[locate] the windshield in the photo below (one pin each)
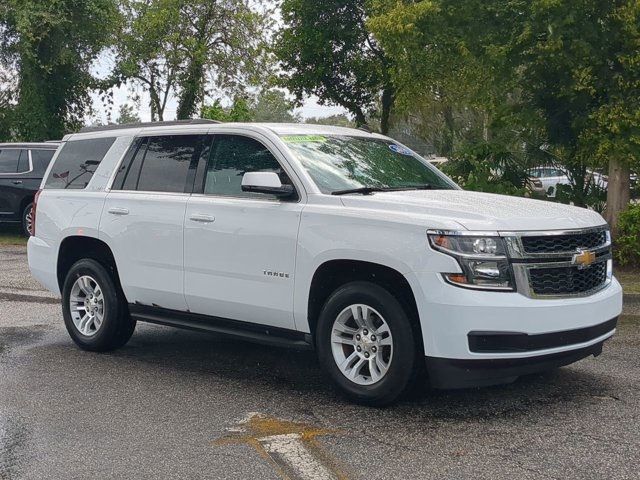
(340, 162)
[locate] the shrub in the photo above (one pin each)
(627, 245)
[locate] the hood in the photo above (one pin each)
(478, 211)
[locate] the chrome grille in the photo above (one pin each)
(564, 243)
(567, 280)
(547, 264)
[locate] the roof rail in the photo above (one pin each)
(193, 121)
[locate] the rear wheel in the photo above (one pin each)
(366, 344)
(94, 310)
(27, 220)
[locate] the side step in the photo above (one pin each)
(252, 332)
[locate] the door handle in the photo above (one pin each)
(118, 211)
(199, 217)
(17, 182)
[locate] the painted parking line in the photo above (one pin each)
(291, 448)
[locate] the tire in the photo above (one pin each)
(398, 349)
(27, 220)
(112, 326)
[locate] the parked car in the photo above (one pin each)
(547, 179)
(318, 237)
(22, 166)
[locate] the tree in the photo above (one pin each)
(177, 46)
(564, 73)
(267, 106)
(339, 120)
(325, 49)
(127, 114)
(274, 106)
(51, 46)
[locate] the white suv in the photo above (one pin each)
(319, 237)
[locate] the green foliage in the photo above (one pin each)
(50, 46)
(127, 114)
(239, 111)
(561, 77)
(339, 120)
(175, 46)
(267, 106)
(489, 168)
(326, 49)
(627, 245)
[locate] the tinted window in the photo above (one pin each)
(166, 163)
(233, 156)
(127, 175)
(9, 160)
(41, 159)
(77, 162)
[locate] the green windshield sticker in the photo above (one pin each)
(304, 138)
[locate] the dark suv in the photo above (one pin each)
(22, 166)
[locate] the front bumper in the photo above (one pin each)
(448, 314)
(448, 373)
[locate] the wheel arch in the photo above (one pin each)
(331, 274)
(76, 247)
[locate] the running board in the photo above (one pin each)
(252, 332)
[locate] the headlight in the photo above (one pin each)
(482, 258)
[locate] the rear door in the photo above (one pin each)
(143, 218)
(14, 163)
(240, 247)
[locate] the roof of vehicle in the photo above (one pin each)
(277, 128)
(44, 145)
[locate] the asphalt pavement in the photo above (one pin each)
(181, 405)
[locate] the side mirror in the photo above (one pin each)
(266, 182)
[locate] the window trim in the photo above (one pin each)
(200, 176)
(21, 149)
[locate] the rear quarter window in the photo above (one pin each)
(77, 162)
(41, 160)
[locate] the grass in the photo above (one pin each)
(11, 235)
(630, 280)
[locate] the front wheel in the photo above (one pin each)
(94, 310)
(366, 344)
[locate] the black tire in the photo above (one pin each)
(117, 325)
(27, 216)
(403, 364)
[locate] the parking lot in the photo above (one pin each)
(176, 404)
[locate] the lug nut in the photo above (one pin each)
(365, 331)
(373, 338)
(359, 348)
(358, 337)
(366, 354)
(374, 349)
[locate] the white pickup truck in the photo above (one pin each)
(319, 237)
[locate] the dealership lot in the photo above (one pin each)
(176, 404)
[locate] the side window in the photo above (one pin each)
(233, 156)
(166, 163)
(77, 162)
(9, 160)
(127, 174)
(41, 159)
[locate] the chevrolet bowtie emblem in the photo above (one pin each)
(583, 258)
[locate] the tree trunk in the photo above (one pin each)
(387, 104)
(618, 192)
(191, 89)
(360, 117)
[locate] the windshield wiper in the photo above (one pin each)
(370, 190)
(364, 190)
